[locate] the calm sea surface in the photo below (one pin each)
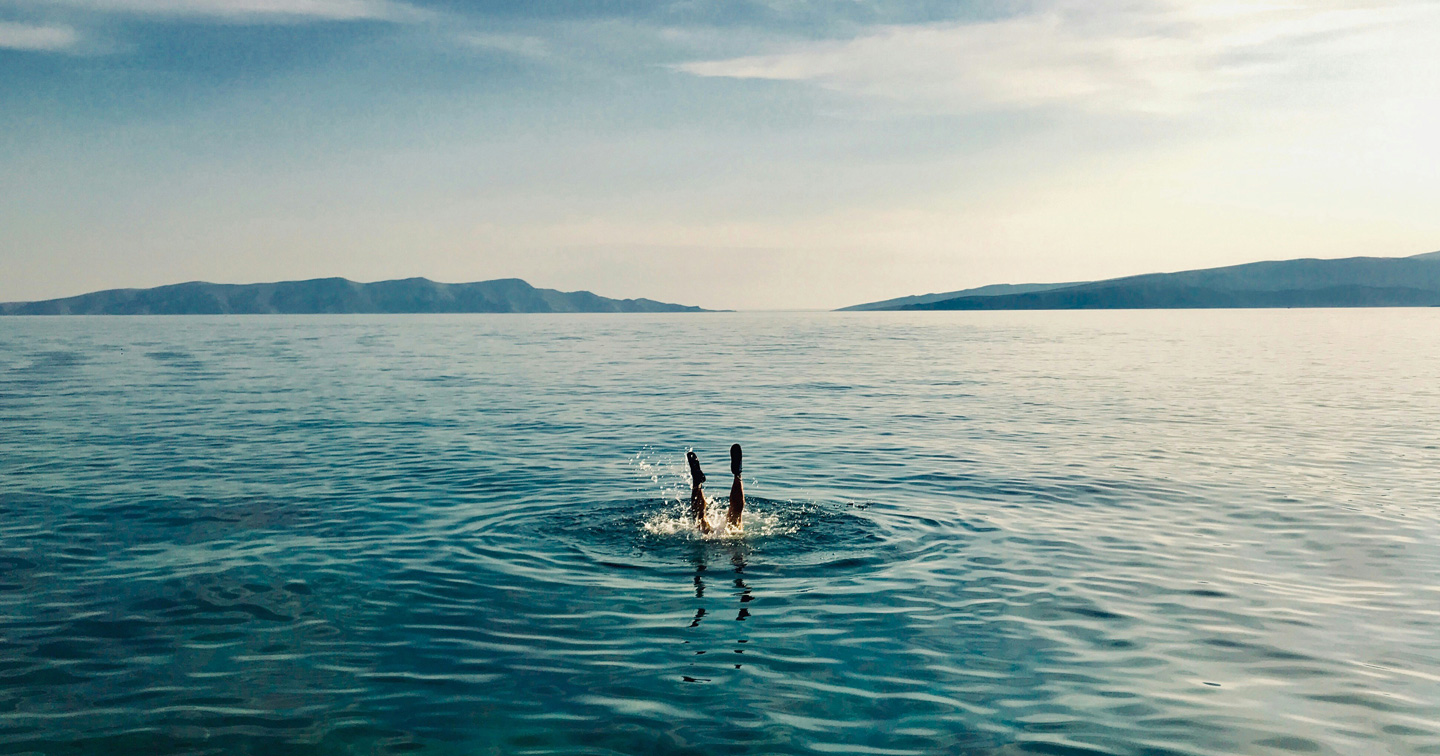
(988, 533)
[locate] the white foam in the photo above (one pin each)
(753, 523)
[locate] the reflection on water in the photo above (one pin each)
(979, 533)
(741, 596)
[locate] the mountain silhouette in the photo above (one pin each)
(1350, 282)
(336, 295)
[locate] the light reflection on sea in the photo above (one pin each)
(1060, 533)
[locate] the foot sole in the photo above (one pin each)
(696, 477)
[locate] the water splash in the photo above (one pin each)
(665, 475)
(754, 523)
(661, 473)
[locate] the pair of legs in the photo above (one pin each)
(697, 494)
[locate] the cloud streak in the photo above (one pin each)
(254, 10)
(37, 38)
(512, 44)
(1153, 56)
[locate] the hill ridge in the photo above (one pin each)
(1304, 282)
(336, 295)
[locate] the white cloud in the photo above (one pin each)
(38, 38)
(252, 10)
(1159, 56)
(513, 44)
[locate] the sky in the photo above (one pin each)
(737, 154)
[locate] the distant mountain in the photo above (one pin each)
(980, 291)
(1352, 282)
(336, 295)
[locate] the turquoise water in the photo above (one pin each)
(989, 533)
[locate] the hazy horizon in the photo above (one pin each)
(603, 294)
(745, 156)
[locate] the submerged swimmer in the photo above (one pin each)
(697, 495)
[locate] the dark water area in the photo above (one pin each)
(968, 533)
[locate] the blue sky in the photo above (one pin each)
(783, 154)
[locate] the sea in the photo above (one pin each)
(1000, 533)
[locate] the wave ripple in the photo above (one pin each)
(1003, 533)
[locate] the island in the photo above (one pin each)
(336, 295)
(1348, 282)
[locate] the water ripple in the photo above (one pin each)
(1004, 533)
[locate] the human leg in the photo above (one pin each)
(737, 491)
(697, 508)
(697, 494)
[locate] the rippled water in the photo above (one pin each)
(1054, 533)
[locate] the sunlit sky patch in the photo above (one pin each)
(782, 154)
